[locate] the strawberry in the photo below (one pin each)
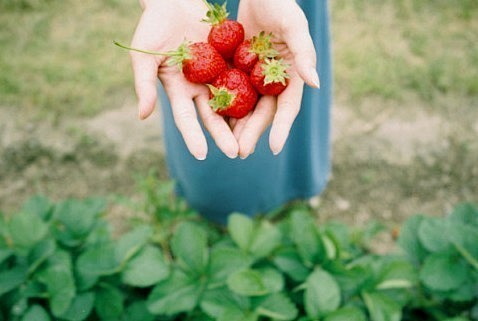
(199, 61)
(252, 50)
(269, 76)
(232, 94)
(225, 35)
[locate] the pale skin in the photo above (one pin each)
(160, 29)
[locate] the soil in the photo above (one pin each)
(388, 162)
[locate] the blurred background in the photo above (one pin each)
(405, 116)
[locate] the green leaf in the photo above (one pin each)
(465, 239)
(465, 213)
(5, 254)
(174, 295)
(11, 279)
(226, 261)
(346, 314)
(80, 307)
(138, 311)
(76, 218)
(352, 279)
(255, 282)
(433, 235)
(288, 261)
(40, 253)
(266, 239)
(132, 242)
(60, 286)
(443, 272)
(381, 307)
(305, 235)
(98, 261)
(397, 275)
(147, 268)
(322, 294)
(189, 245)
(272, 279)
(215, 301)
(409, 241)
(248, 283)
(36, 313)
(38, 205)
(238, 315)
(26, 229)
(278, 307)
(109, 302)
(241, 229)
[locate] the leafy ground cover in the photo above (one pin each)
(60, 261)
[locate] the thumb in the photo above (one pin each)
(297, 37)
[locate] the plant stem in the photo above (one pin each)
(169, 54)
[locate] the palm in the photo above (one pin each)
(163, 27)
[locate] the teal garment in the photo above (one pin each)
(219, 186)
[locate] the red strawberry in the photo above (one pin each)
(253, 50)
(232, 94)
(199, 61)
(269, 76)
(225, 35)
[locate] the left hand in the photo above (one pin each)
(292, 39)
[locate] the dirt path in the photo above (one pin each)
(387, 164)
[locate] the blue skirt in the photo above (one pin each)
(219, 186)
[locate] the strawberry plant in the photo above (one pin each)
(61, 261)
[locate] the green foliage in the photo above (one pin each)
(61, 262)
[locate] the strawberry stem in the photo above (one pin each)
(216, 14)
(262, 46)
(222, 98)
(176, 56)
(140, 50)
(275, 71)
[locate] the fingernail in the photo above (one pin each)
(276, 150)
(314, 77)
(231, 155)
(245, 155)
(200, 156)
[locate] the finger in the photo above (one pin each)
(288, 107)
(239, 125)
(145, 70)
(259, 120)
(187, 123)
(217, 127)
(297, 37)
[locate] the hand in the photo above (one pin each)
(163, 26)
(292, 39)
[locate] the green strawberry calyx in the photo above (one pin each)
(222, 98)
(216, 14)
(175, 57)
(261, 45)
(275, 70)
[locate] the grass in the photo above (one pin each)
(57, 57)
(393, 48)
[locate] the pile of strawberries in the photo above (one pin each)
(237, 71)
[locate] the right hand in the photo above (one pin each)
(163, 26)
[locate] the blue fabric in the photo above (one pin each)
(219, 186)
